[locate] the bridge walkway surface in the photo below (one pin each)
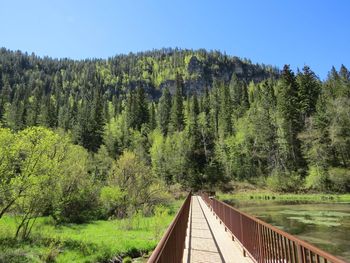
(206, 239)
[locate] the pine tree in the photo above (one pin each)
(289, 121)
(308, 92)
(152, 116)
(199, 143)
(130, 109)
(192, 119)
(215, 109)
(140, 108)
(14, 113)
(4, 97)
(64, 117)
(344, 84)
(205, 102)
(177, 115)
(90, 125)
(98, 120)
(239, 95)
(164, 109)
(225, 113)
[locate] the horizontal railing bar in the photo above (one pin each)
(275, 241)
(163, 244)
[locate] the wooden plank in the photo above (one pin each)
(207, 240)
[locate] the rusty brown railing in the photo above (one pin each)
(264, 242)
(171, 247)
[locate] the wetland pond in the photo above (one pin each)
(325, 225)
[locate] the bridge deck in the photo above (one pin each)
(206, 240)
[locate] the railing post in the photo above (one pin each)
(241, 223)
(300, 255)
(261, 257)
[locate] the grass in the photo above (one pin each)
(92, 242)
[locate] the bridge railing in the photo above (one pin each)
(264, 242)
(171, 247)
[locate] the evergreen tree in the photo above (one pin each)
(130, 109)
(205, 102)
(164, 109)
(90, 125)
(4, 97)
(152, 116)
(140, 108)
(308, 92)
(215, 109)
(192, 116)
(239, 96)
(344, 84)
(288, 121)
(225, 112)
(177, 115)
(14, 116)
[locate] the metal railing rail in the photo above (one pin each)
(264, 242)
(170, 248)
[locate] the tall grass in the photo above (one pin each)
(92, 242)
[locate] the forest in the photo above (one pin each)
(110, 138)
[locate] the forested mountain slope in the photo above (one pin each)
(153, 70)
(197, 118)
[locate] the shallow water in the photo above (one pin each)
(326, 226)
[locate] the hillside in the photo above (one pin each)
(153, 70)
(197, 118)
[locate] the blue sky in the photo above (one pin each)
(276, 32)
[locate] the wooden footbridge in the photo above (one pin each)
(208, 230)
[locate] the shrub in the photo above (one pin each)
(127, 259)
(340, 179)
(317, 179)
(111, 198)
(284, 181)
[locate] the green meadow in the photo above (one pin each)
(96, 241)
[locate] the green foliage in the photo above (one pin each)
(181, 115)
(121, 132)
(308, 92)
(225, 111)
(32, 162)
(76, 193)
(115, 135)
(97, 241)
(112, 198)
(100, 164)
(340, 179)
(138, 189)
(127, 259)
(288, 121)
(160, 215)
(284, 182)
(177, 110)
(317, 179)
(164, 108)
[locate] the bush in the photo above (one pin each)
(284, 181)
(339, 179)
(127, 259)
(76, 193)
(111, 198)
(317, 179)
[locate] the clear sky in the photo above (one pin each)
(276, 32)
